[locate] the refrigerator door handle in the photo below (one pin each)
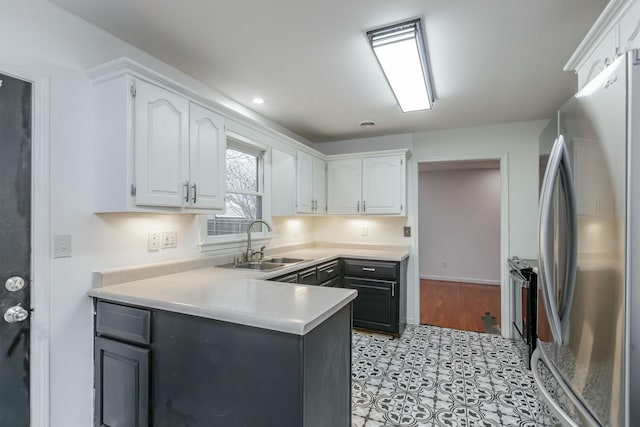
(554, 407)
(546, 237)
(572, 239)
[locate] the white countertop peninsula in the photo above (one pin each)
(239, 296)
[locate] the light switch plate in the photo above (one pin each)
(407, 231)
(62, 246)
(169, 239)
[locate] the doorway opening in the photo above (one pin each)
(459, 204)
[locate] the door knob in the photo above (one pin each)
(14, 284)
(15, 314)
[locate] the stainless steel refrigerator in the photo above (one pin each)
(589, 253)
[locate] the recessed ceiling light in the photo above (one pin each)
(258, 101)
(367, 124)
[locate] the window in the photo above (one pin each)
(244, 198)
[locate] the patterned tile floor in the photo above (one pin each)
(434, 376)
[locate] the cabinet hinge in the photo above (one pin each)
(133, 90)
(133, 190)
(401, 162)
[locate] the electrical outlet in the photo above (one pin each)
(365, 231)
(169, 239)
(444, 264)
(407, 231)
(62, 246)
(153, 243)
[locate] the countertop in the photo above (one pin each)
(243, 296)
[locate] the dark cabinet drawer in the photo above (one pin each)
(371, 269)
(328, 271)
(122, 322)
(308, 277)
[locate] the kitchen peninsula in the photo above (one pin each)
(215, 346)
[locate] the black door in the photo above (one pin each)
(15, 249)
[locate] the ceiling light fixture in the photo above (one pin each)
(402, 54)
(258, 101)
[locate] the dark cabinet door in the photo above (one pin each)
(122, 384)
(376, 306)
(308, 277)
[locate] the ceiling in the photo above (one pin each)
(493, 60)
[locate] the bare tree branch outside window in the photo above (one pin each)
(244, 197)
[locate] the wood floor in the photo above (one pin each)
(458, 305)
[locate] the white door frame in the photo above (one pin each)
(40, 214)
(505, 290)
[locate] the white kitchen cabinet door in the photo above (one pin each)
(383, 185)
(161, 140)
(344, 186)
(319, 186)
(207, 168)
(283, 180)
(304, 188)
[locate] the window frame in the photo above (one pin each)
(232, 242)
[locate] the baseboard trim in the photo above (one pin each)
(460, 279)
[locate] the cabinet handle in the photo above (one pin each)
(314, 204)
(368, 269)
(329, 271)
(393, 289)
(358, 206)
(364, 206)
(186, 187)
(195, 191)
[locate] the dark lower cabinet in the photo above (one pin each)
(203, 372)
(122, 384)
(381, 304)
(375, 307)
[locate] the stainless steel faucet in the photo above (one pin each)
(250, 252)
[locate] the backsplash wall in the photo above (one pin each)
(378, 230)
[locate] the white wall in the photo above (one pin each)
(380, 230)
(41, 40)
(519, 140)
(459, 222)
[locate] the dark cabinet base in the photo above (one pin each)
(204, 372)
(211, 373)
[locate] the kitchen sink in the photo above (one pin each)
(254, 265)
(286, 260)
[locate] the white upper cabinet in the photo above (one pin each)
(283, 183)
(304, 188)
(156, 150)
(344, 186)
(319, 199)
(207, 145)
(311, 184)
(161, 140)
(383, 185)
(616, 31)
(370, 185)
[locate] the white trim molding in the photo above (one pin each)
(505, 289)
(40, 269)
(607, 19)
(460, 279)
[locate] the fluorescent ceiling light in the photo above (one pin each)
(401, 52)
(258, 101)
